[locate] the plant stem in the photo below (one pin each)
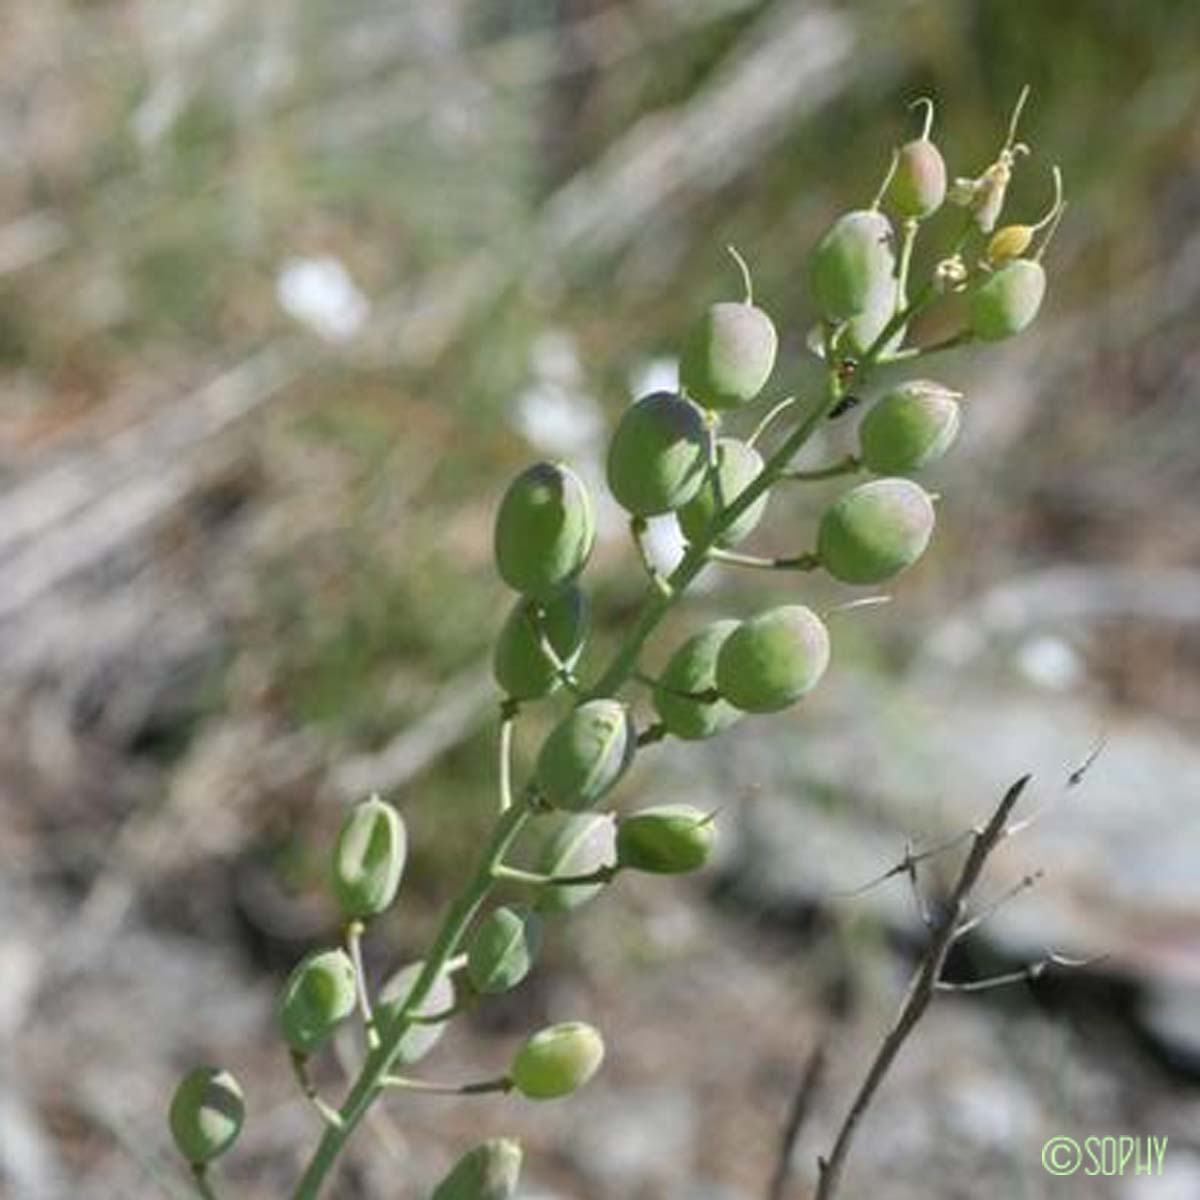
(844, 466)
(354, 932)
(203, 1184)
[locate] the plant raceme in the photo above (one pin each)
(670, 453)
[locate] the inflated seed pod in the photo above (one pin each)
(577, 844)
(658, 455)
(521, 668)
(1008, 300)
(489, 1171)
(670, 839)
(918, 185)
(503, 949)
(586, 754)
(557, 1060)
(769, 661)
(317, 997)
(908, 428)
(693, 669)
(728, 356)
(544, 530)
(875, 530)
(418, 1039)
(368, 859)
(852, 263)
(206, 1113)
(861, 331)
(738, 465)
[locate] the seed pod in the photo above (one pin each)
(1010, 242)
(658, 455)
(768, 662)
(418, 1039)
(503, 949)
(557, 1060)
(738, 465)
(875, 530)
(918, 186)
(670, 839)
(586, 754)
(912, 426)
(576, 845)
(521, 668)
(544, 530)
(693, 668)
(206, 1114)
(1007, 301)
(368, 859)
(490, 1171)
(318, 996)
(861, 331)
(852, 264)
(728, 356)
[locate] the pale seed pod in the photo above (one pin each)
(557, 1061)
(670, 839)
(738, 465)
(419, 1039)
(519, 664)
(693, 669)
(658, 454)
(368, 859)
(317, 997)
(852, 263)
(728, 356)
(910, 427)
(918, 185)
(503, 949)
(875, 531)
(489, 1171)
(586, 754)
(1008, 300)
(206, 1114)
(770, 661)
(577, 844)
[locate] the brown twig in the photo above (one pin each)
(806, 1090)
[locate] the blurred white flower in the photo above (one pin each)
(319, 293)
(1051, 663)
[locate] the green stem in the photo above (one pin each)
(503, 1084)
(354, 932)
(846, 466)
(535, 879)
(203, 1184)
(797, 562)
(637, 530)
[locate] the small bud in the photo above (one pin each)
(368, 859)
(728, 356)
(875, 530)
(658, 455)
(544, 530)
(586, 754)
(1010, 242)
(519, 664)
(692, 669)
(577, 845)
(419, 1039)
(738, 465)
(768, 662)
(317, 997)
(557, 1061)
(490, 1171)
(912, 426)
(670, 839)
(1007, 301)
(853, 264)
(503, 950)
(206, 1114)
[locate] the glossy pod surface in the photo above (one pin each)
(586, 754)
(658, 455)
(520, 666)
(770, 661)
(670, 839)
(910, 427)
(206, 1113)
(852, 264)
(728, 356)
(1008, 301)
(503, 949)
(317, 997)
(557, 1061)
(368, 859)
(693, 669)
(875, 530)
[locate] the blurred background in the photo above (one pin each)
(288, 292)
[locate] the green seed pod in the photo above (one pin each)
(861, 331)
(206, 1114)
(910, 427)
(318, 996)
(368, 859)
(576, 845)
(1008, 300)
(738, 465)
(586, 754)
(728, 356)
(557, 1061)
(490, 1171)
(768, 662)
(918, 186)
(670, 839)
(658, 455)
(544, 530)
(521, 668)
(418, 1040)
(503, 950)
(875, 530)
(693, 668)
(852, 264)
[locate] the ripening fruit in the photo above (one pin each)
(693, 668)
(670, 839)
(368, 859)
(861, 331)
(557, 1061)
(918, 186)
(769, 661)
(544, 530)
(206, 1113)
(1008, 300)
(578, 845)
(318, 996)
(586, 754)
(875, 530)
(852, 263)
(489, 1171)
(521, 668)
(738, 465)
(418, 1039)
(658, 455)
(910, 427)
(503, 949)
(728, 356)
